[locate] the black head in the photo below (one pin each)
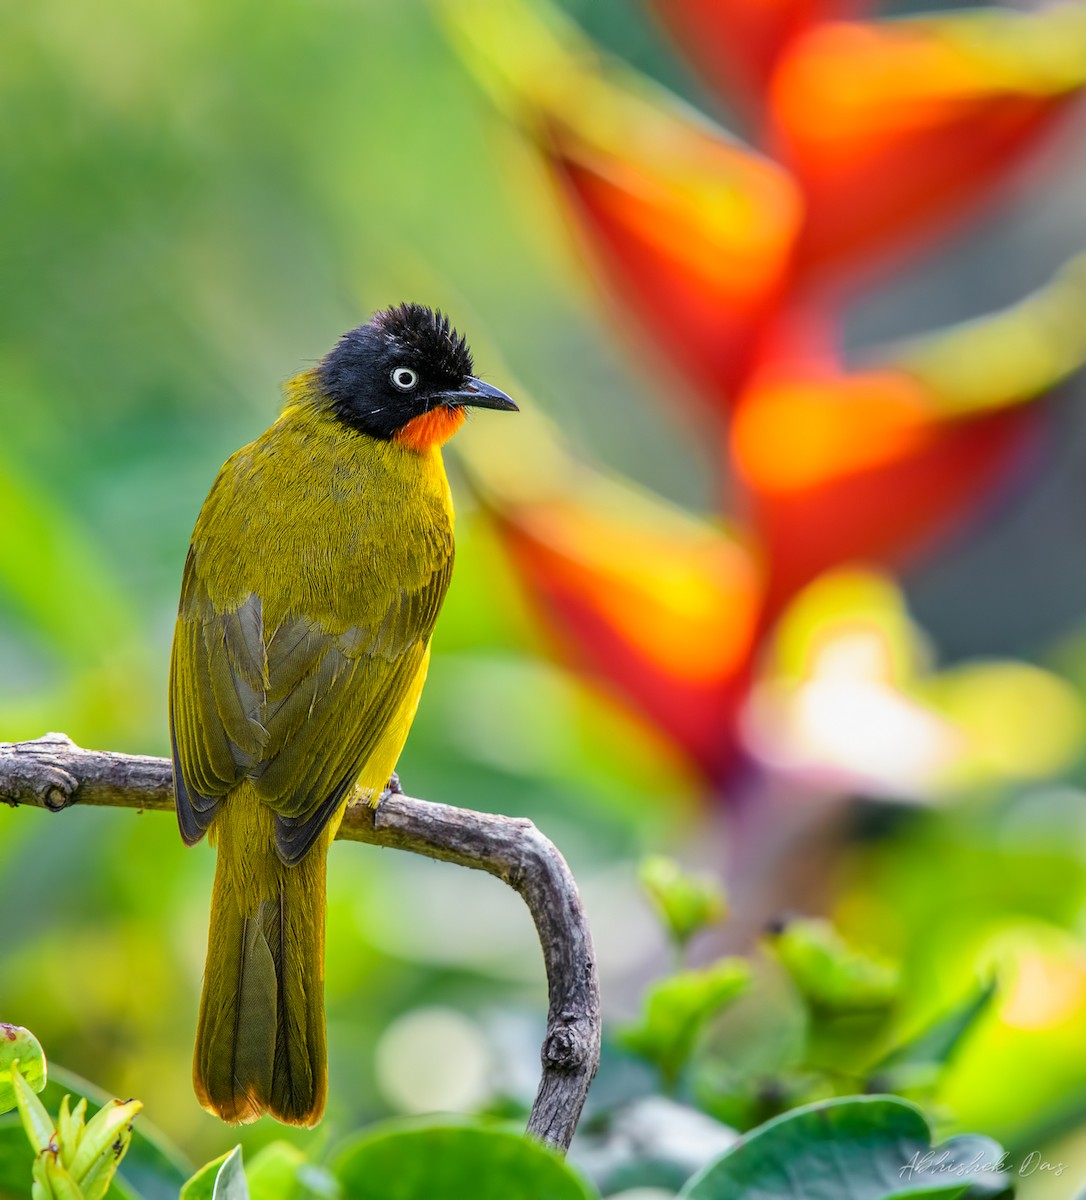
(405, 362)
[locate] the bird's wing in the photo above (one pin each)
(297, 708)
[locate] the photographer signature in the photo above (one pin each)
(943, 1162)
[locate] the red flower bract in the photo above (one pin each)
(735, 43)
(892, 127)
(862, 468)
(691, 235)
(660, 615)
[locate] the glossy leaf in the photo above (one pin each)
(19, 1045)
(893, 126)
(397, 1162)
(221, 1179)
(854, 1148)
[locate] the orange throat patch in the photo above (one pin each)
(431, 429)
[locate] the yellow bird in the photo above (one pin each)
(315, 575)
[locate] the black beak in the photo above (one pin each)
(477, 394)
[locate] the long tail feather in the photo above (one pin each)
(260, 1042)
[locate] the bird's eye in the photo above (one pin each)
(404, 378)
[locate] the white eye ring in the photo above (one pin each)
(404, 378)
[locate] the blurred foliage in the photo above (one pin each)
(197, 199)
(687, 903)
(831, 976)
(872, 1140)
(676, 1008)
(720, 1039)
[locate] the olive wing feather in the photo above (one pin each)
(297, 708)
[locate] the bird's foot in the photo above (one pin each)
(392, 788)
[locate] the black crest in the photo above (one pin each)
(409, 341)
(428, 333)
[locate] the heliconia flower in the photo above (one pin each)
(859, 467)
(735, 43)
(892, 126)
(689, 231)
(660, 619)
(655, 606)
(880, 130)
(869, 465)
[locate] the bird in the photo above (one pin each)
(314, 576)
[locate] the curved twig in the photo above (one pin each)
(53, 773)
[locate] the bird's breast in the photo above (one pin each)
(319, 519)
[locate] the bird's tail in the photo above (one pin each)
(260, 1044)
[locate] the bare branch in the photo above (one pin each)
(53, 773)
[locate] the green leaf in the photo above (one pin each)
(61, 1185)
(39, 1188)
(677, 1007)
(934, 1046)
(687, 902)
(38, 1124)
(19, 1045)
(829, 973)
(222, 1179)
(318, 1183)
(151, 1170)
(853, 1148)
(273, 1173)
(104, 1144)
(96, 1183)
(107, 1134)
(447, 1162)
(69, 1129)
(17, 1161)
